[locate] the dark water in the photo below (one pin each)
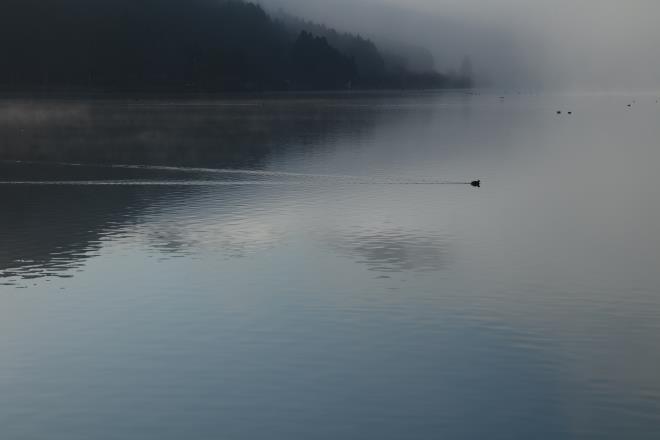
(159, 303)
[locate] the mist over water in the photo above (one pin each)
(258, 293)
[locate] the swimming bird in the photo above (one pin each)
(476, 183)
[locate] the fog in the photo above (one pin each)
(571, 44)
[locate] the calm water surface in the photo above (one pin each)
(324, 296)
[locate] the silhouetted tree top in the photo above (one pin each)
(317, 65)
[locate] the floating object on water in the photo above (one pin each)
(559, 112)
(570, 113)
(476, 183)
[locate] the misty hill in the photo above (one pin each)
(368, 59)
(186, 44)
(389, 57)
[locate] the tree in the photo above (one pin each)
(315, 64)
(466, 79)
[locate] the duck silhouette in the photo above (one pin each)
(476, 183)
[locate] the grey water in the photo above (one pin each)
(262, 268)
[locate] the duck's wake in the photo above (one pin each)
(203, 183)
(300, 178)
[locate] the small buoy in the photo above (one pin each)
(476, 183)
(559, 112)
(570, 113)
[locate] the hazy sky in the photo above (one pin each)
(597, 44)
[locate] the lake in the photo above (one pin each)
(314, 266)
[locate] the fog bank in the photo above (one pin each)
(586, 44)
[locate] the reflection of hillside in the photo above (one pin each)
(214, 133)
(50, 230)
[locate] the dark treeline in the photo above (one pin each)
(185, 44)
(395, 67)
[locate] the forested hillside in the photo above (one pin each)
(206, 45)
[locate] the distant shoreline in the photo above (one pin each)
(91, 93)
